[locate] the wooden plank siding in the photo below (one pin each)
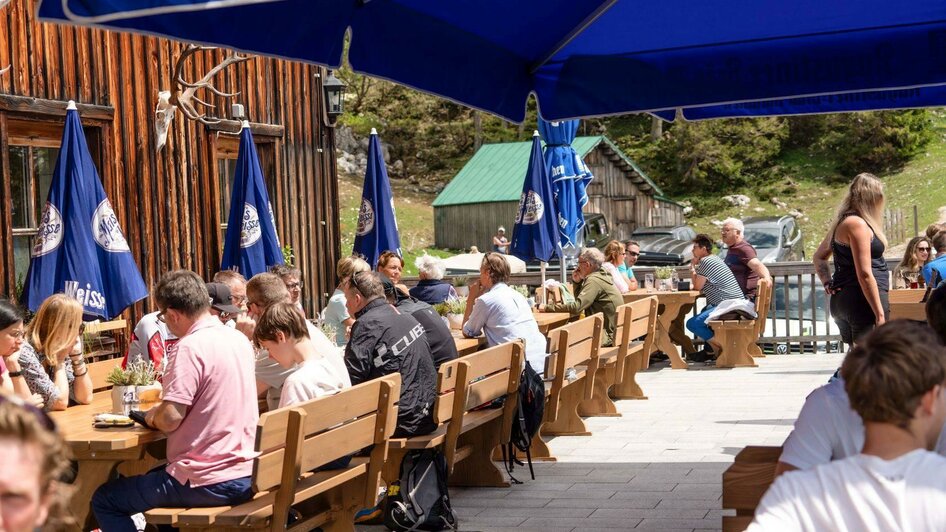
(474, 224)
(168, 202)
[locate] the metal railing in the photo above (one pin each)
(799, 316)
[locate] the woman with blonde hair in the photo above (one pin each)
(858, 288)
(51, 356)
(916, 256)
(614, 253)
(335, 313)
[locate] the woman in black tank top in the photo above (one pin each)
(858, 288)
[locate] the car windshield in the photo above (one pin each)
(762, 238)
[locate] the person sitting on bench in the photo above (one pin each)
(895, 378)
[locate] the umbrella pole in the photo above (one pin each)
(544, 299)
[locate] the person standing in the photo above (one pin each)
(500, 242)
(858, 288)
(208, 412)
(712, 277)
(594, 292)
(742, 258)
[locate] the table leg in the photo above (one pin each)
(664, 327)
(92, 474)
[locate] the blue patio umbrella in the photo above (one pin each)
(80, 248)
(569, 177)
(592, 57)
(912, 98)
(377, 225)
(251, 245)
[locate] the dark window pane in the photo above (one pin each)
(225, 180)
(20, 186)
(44, 162)
(21, 256)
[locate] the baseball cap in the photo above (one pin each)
(220, 298)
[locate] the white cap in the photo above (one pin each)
(245, 124)
(71, 106)
(535, 132)
(374, 131)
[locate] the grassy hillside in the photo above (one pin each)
(922, 182)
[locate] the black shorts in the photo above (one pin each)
(853, 313)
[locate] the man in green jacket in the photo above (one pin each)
(594, 292)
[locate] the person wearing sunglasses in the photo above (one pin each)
(917, 255)
(51, 358)
(632, 252)
(292, 278)
(32, 460)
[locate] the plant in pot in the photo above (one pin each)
(462, 285)
(452, 312)
(664, 273)
(135, 387)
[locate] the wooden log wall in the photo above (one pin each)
(168, 202)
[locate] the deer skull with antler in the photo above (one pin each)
(184, 97)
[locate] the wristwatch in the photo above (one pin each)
(15, 373)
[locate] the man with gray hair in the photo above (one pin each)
(742, 258)
(594, 292)
(431, 288)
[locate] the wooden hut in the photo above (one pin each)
(173, 203)
(485, 194)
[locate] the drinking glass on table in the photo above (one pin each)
(649, 282)
(675, 281)
(913, 279)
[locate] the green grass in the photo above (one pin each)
(415, 220)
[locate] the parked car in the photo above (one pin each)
(804, 314)
(775, 239)
(665, 245)
(595, 233)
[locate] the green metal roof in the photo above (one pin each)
(496, 172)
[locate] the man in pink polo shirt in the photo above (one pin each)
(209, 413)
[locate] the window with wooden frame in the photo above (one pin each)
(226, 153)
(32, 151)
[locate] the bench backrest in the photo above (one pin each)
(482, 378)
(635, 320)
(746, 481)
(572, 345)
(447, 378)
(99, 370)
(763, 300)
(300, 438)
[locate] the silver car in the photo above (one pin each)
(775, 239)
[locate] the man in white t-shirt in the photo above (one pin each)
(828, 428)
(895, 379)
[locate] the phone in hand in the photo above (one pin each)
(139, 417)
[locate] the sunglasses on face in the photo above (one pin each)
(923, 249)
(632, 253)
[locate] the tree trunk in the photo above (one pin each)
(656, 128)
(477, 130)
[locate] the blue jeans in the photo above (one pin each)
(697, 324)
(115, 502)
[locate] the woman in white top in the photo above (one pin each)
(504, 314)
(335, 313)
(615, 254)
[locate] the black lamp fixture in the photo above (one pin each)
(334, 98)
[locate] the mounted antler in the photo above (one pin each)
(5, 70)
(184, 97)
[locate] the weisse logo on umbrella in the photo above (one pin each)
(365, 218)
(87, 296)
(251, 232)
(531, 208)
(49, 235)
(106, 230)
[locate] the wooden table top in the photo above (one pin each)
(905, 304)
(680, 295)
(75, 424)
(548, 320)
(465, 346)
(906, 295)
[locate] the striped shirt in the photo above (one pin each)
(721, 284)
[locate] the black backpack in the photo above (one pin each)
(528, 420)
(419, 499)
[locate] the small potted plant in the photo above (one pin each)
(135, 387)
(462, 285)
(664, 273)
(452, 311)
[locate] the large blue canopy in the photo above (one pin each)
(580, 57)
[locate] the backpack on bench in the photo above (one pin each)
(528, 420)
(419, 499)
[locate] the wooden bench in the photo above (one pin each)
(98, 371)
(617, 366)
(574, 346)
(466, 436)
(745, 482)
(735, 340)
(293, 442)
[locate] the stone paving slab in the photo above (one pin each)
(660, 465)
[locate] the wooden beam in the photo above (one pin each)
(43, 107)
(233, 126)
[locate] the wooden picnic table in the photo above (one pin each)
(905, 304)
(467, 346)
(99, 452)
(672, 303)
(550, 320)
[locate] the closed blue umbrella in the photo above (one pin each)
(592, 57)
(377, 226)
(569, 177)
(251, 245)
(80, 248)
